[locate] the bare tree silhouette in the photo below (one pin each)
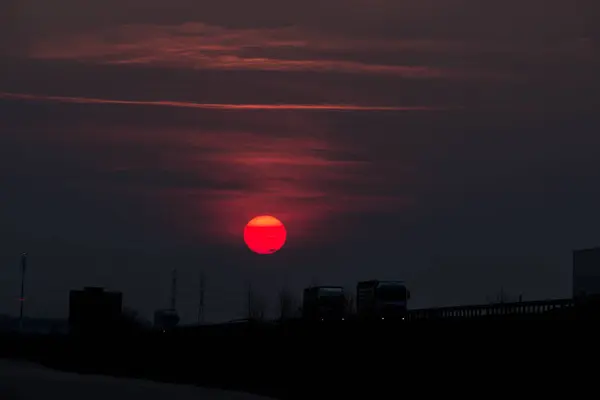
(131, 319)
(255, 305)
(286, 304)
(502, 297)
(350, 303)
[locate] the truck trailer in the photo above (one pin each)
(382, 300)
(324, 303)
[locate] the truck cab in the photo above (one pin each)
(382, 300)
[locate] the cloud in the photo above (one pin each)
(437, 55)
(457, 55)
(373, 18)
(200, 46)
(290, 176)
(201, 180)
(211, 106)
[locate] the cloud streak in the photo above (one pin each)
(196, 45)
(213, 106)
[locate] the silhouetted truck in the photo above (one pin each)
(381, 299)
(324, 303)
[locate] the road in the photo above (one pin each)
(28, 381)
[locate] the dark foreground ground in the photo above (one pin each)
(21, 380)
(302, 361)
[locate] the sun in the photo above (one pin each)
(265, 234)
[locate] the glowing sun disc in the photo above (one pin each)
(265, 234)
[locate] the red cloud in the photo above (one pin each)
(286, 178)
(241, 174)
(213, 106)
(200, 46)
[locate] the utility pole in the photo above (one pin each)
(201, 299)
(174, 290)
(22, 298)
(502, 296)
(250, 301)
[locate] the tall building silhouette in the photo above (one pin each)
(586, 272)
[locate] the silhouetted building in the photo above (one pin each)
(94, 310)
(324, 303)
(586, 272)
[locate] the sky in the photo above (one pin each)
(451, 144)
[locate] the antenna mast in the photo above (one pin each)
(201, 299)
(174, 289)
(250, 300)
(22, 298)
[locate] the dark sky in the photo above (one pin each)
(450, 143)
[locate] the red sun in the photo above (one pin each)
(264, 234)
